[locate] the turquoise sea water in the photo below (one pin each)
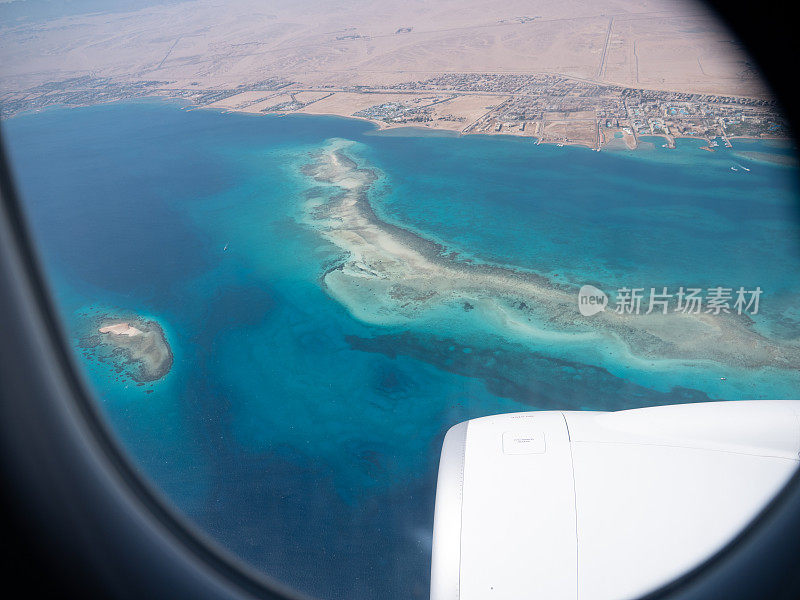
(303, 439)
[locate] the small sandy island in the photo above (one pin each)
(121, 329)
(135, 347)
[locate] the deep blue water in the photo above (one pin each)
(302, 439)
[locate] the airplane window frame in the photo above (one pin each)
(70, 485)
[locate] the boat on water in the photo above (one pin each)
(734, 169)
(225, 248)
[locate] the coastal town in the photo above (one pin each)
(551, 108)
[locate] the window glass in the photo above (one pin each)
(293, 244)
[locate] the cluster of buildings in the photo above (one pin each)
(75, 91)
(88, 90)
(542, 101)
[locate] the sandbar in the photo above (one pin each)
(392, 276)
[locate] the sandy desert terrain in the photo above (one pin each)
(380, 60)
(660, 44)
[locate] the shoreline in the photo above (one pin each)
(381, 126)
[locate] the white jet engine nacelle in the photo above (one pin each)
(602, 506)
